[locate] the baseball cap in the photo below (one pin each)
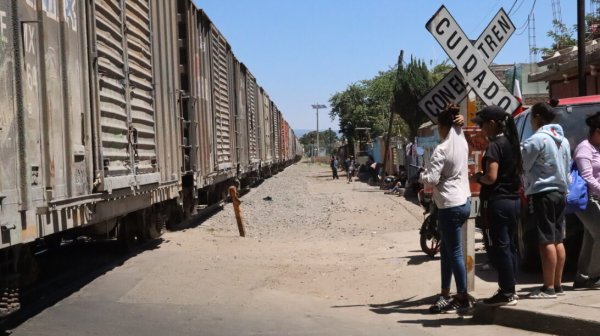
(491, 112)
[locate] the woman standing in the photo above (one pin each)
(448, 174)
(499, 195)
(587, 157)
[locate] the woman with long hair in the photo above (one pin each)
(500, 203)
(448, 173)
(587, 156)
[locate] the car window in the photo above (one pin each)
(572, 120)
(523, 125)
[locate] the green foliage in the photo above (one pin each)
(412, 84)
(365, 104)
(368, 103)
(325, 138)
(439, 71)
(562, 37)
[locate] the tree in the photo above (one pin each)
(413, 82)
(562, 37)
(325, 139)
(366, 104)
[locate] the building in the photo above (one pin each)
(560, 71)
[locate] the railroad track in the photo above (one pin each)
(72, 266)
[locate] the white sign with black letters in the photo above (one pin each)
(472, 60)
(452, 88)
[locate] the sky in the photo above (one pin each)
(304, 51)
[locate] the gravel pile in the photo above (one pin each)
(281, 203)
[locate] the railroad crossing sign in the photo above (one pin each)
(472, 61)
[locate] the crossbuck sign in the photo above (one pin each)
(472, 61)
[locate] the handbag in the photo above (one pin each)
(577, 196)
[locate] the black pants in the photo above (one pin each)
(335, 174)
(500, 224)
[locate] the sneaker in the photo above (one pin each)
(439, 305)
(589, 283)
(501, 299)
(559, 291)
(456, 305)
(543, 293)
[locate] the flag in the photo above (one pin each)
(517, 94)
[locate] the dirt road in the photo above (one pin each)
(321, 257)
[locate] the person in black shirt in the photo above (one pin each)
(500, 203)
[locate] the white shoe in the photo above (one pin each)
(539, 294)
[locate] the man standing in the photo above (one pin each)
(334, 167)
(546, 157)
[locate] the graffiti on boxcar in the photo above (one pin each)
(6, 114)
(51, 9)
(70, 13)
(3, 37)
(31, 71)
(31, 3)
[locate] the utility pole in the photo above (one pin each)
(581, 47)
(393, 111)
(318, 106)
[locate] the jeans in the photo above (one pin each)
(450, 221)
(501, 218)
(588, 264)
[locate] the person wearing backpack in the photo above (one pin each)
(546, 162)
(587, 158)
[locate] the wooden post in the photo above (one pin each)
(236, 208)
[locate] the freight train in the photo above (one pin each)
(118, 118)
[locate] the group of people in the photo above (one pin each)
(539, 169)
(349, 167)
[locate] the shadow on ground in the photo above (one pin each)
(65, 270)
(420, 259)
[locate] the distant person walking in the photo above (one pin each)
(500, 203)
(546, 162)
(448, 173)
(334, 167)
(587, 157)
(350, 168)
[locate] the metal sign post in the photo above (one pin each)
(469, 61)
(452, 88)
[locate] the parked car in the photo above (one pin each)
(572, 113)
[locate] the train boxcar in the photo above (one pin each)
(117, 118)
(252, 96)
(265, 133)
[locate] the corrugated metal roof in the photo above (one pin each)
(563, 63)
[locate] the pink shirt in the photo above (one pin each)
(588, 163)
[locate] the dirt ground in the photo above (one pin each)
(321, 257)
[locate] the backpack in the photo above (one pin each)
(577, 196)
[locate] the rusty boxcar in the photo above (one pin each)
(116, 118)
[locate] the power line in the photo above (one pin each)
(526, 23)
(511, 7)
(484, 18)
(519, 6)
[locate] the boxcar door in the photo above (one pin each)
(124, 103)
